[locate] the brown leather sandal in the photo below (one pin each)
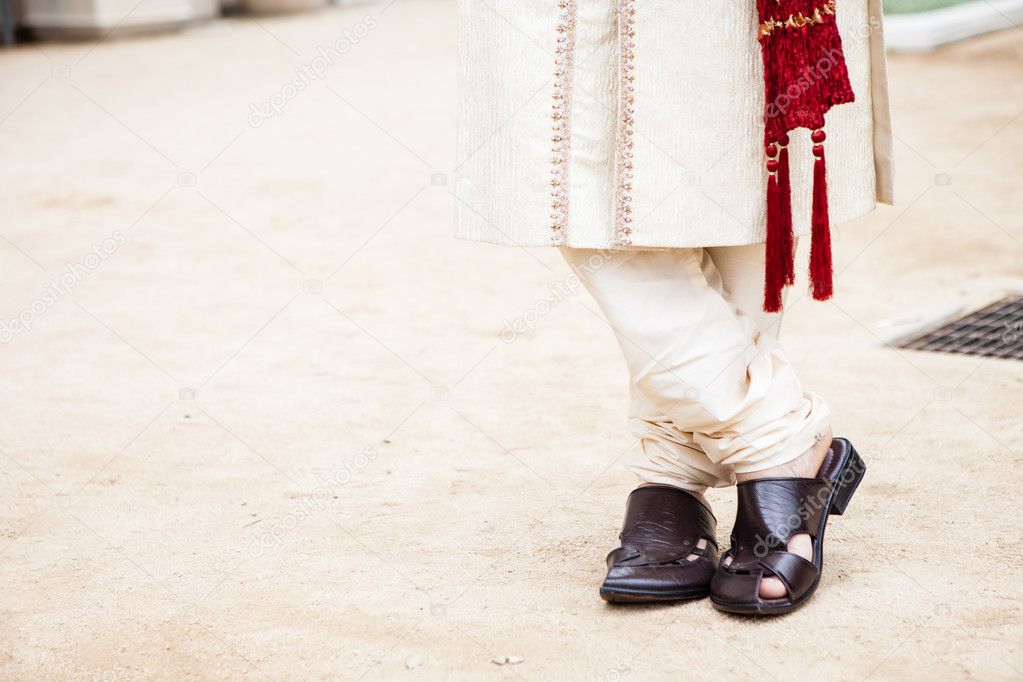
(772, 510)
(663, 527)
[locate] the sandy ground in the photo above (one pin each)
(269, 428)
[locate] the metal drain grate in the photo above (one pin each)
(994, 331)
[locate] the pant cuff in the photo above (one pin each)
(817, 424)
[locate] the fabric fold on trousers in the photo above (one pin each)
(713, 394)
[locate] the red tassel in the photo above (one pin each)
(821, 271)
(775, 265)
(785, 208)
(805, 75)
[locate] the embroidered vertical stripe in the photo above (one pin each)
(561, 116)
(626, 122)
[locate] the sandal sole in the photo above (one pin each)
(639, 597)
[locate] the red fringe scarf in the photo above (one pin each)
(804, 75)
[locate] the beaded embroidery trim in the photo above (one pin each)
(798, 20)
(561, 115)
(626, 122)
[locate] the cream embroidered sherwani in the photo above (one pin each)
(577, 115)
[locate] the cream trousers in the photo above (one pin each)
(713, 393)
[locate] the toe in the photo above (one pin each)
(772, 588)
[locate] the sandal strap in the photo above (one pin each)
(794, 571)
(626, 556)
(741, 588)
(663, 524)
(772, 510)
(741, 581)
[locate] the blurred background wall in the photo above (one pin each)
(90, 19)
(914, 24)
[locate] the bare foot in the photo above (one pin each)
(805, 466)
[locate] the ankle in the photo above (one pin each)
(806, 465)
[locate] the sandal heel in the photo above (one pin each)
(847, 481)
